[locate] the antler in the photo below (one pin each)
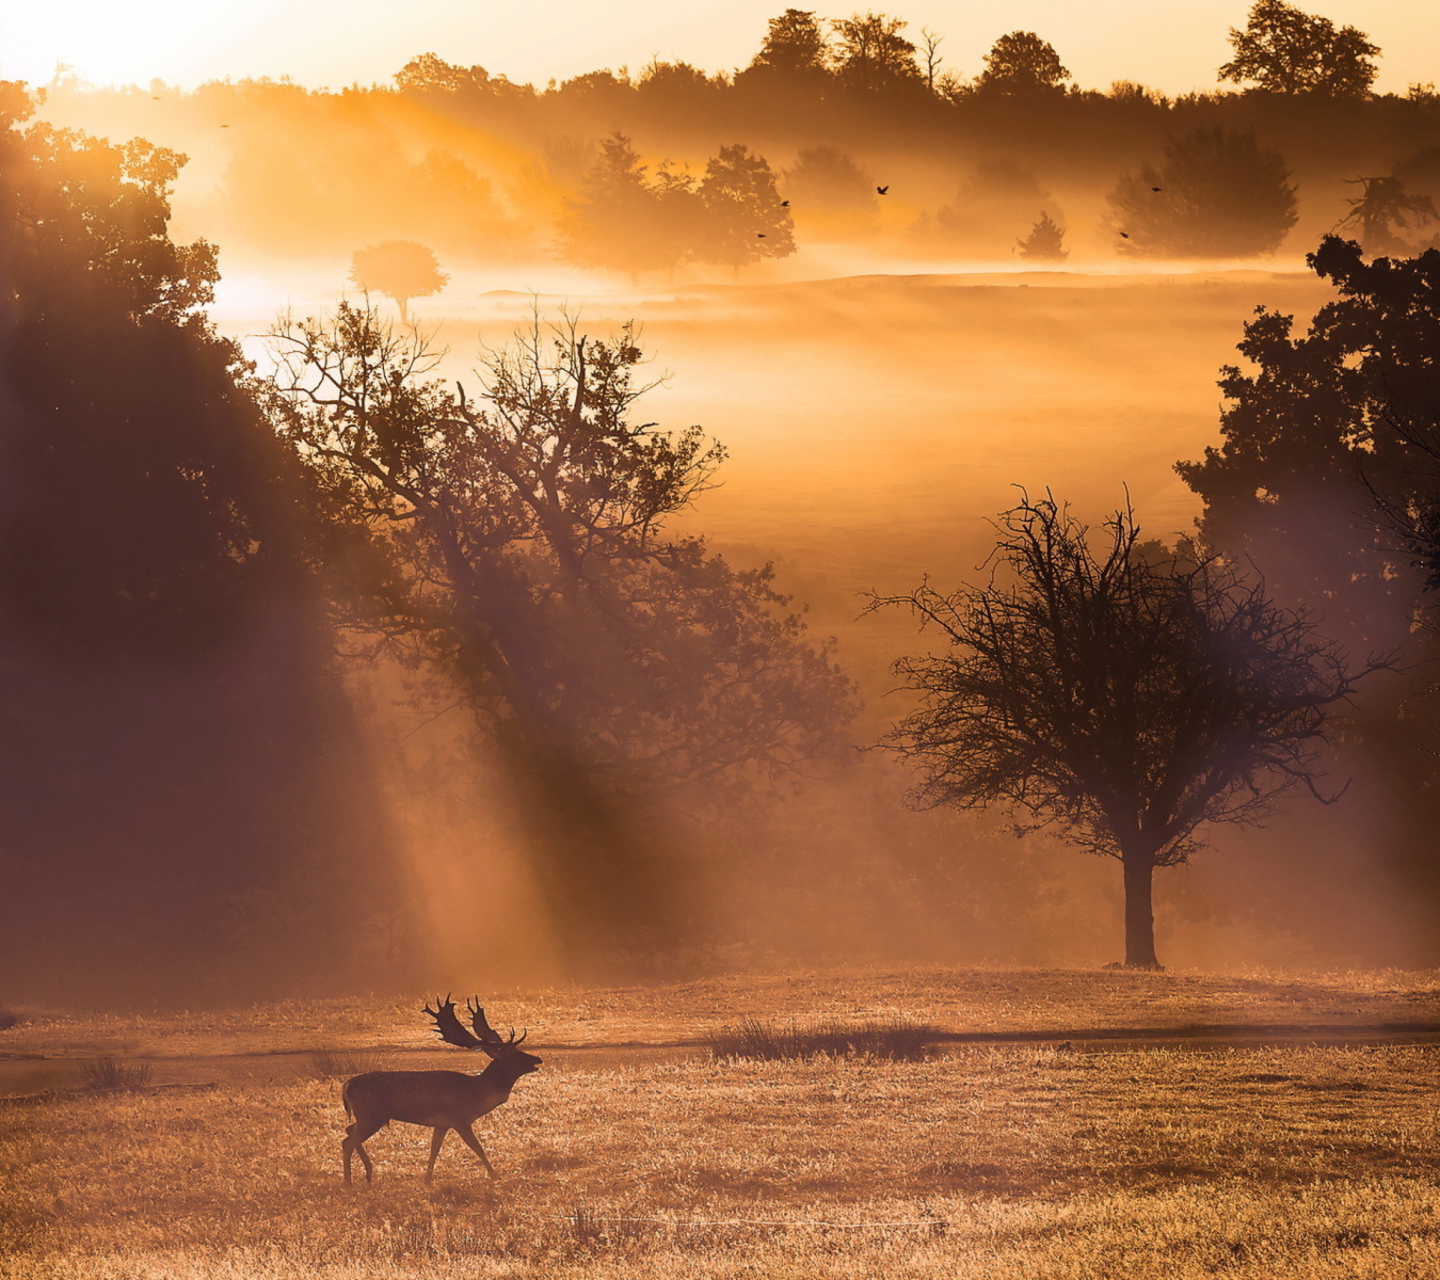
(447, 1025)
(486, 1033)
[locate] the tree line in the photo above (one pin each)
(479, 167)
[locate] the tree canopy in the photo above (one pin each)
(400, 269)
(1217, 194)
(1327, 422)
(1022, 65)
(1128, 694)
(1285, 50)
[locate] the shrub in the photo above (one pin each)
(897, 1039)
(329, 1064)
(111, 1075)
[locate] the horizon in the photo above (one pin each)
(185, 46)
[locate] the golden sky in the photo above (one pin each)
(1169, 45)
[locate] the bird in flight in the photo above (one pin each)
(882, 190)
(759, 235)
(784, 204)
(1124, 235)
(1157, 188)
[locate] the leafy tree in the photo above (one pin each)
(827, 178)
(1329, 423)
(744, 218)
(1216, 195)
(1383, 209)
(830, 192)
(624, 220)
(1128, 694)
(429, 74)
(1284, 50)
(679, 87)
(400, 269)
(160, 648)
(518, 544)
(871, 54)
(794, 51)
(1046, 241)
(1022, 65)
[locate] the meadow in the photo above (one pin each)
(635, 1152)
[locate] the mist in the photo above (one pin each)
(292, 803)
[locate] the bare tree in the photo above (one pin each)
(930, 42)
(1130, 694)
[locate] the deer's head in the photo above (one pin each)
(484, 1037)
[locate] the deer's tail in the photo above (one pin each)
(345, 1099)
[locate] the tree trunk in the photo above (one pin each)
(1139, 918)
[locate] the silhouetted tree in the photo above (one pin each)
(794, 52)
(1021, 65)
(1045, 243)
(871, 53)
(429, 74)
(1128, 694)
(1285, 50)
(624, 220)
(400, 269)
(1329, 424)
(519, 544)
(176, 778)
(1384, 208)
(744, 219)
(679, 87)
(1216, 195)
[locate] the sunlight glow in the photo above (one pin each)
(134, 43)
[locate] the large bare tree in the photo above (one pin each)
(1128, 694)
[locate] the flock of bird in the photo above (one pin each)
(885, 191)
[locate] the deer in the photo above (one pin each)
(443, 1100)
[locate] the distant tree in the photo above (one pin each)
(744, 220)
(871, 54)
(1285, 50)
(1216, 195)
(627, 221)
(794, 51)
(930, 43)
(827, 177)
(518, 544)
(1046, 241)
(994, 201)
(400, 269)
(1022, 65)
(429, 74)
(678, 86)
(1383, 209)
(1128, 694)
(455, 208)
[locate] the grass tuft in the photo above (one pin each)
(897, 1039)
(331, 1064)
(112, 1075)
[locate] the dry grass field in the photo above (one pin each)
(987, 1160)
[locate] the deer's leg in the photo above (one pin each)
(435, 1140)
(467, 1134)
(355, 1136)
